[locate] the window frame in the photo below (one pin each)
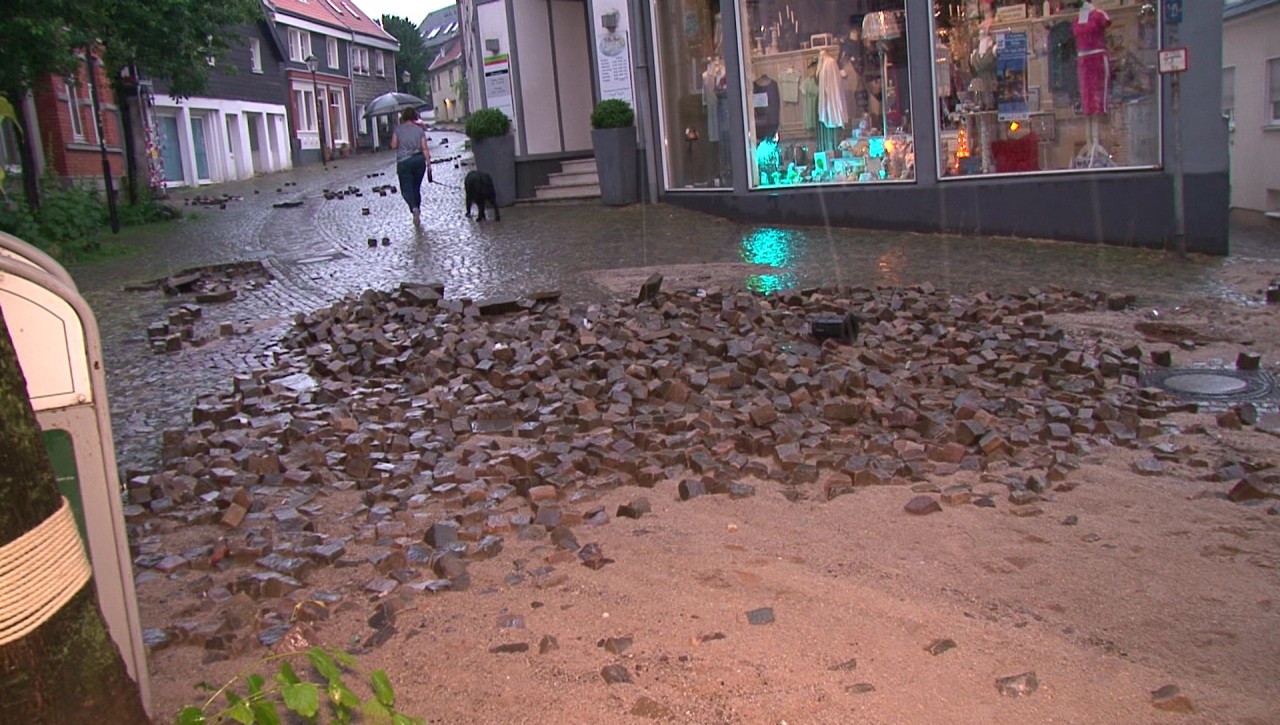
(303, 46)
(380, 64)
(331, 50)
(306, 110)
(73, 104)
(255, 55)
(1273, 92)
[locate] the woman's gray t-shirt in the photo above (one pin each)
(408, 140)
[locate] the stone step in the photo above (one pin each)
(567, 191)
(578, 166)
(568, 178)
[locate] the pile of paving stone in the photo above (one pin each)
(406, 435)
(206, 285)
(219, 201)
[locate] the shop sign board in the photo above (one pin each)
(611, 31)
(497, 85)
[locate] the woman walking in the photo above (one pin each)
(413, 160)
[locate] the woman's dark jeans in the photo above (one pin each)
(411, 171)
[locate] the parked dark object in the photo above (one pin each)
(479, 189)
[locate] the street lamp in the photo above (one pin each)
(315, 90)
(405, 77)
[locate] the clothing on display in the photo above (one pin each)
(983, 63)
(789, 85)
(809, 96)
(712, 78)
(1062, 63)
(1093, 68)
(831, 108)
(766, 100)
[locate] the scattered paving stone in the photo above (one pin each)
(849, 664)
(510, 621)
(1071, 520)
(615, 645)
(396, 394)
(860, 688)
(1022, 685)
(380, 637)
(922, 505)
(764, 615)
(615, 674)
(712, 637)
(938, 646)
(510, 649)
(547, 644)
(1170, 699)
(650, 708)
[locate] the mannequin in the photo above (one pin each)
(1094, 72)
(983, 63)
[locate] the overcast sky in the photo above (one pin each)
(414, 10)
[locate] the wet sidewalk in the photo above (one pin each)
(319, 252)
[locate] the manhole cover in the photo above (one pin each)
(1210, 385)
(1205, 384)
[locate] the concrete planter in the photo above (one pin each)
(616, 164)
(496, 156)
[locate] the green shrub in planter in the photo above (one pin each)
(613, 113)
(487, 123)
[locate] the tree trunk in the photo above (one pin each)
(30, 176)
(68, 670)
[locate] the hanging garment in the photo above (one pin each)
(1093, 69)
(983, 85)
(942, 66)
(765, 100)
(789, 85)
(831, 108)
(710, 81)
(1062, 64)
(809, 92)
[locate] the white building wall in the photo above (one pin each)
(573, 63)
(1249, 42)
(537, 99)
(227, 147)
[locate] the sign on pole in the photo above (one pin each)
(1172, 12)
(1173, 60)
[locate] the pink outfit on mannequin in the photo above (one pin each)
(1092, 66)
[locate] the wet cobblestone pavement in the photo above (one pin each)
(319, 251)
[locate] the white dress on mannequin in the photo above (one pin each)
(831, 108)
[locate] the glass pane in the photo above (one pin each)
(170, 152)
(695, 101)
(1022, 92)
(197, 145)
(828, 92)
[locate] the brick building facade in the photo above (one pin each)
(65, 129)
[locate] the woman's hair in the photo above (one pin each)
(409, 114)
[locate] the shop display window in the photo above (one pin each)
(827, 92)
(1029, 87)
(695, 95)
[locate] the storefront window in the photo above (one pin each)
(1026, 87)
(827, 92)
(695, 94)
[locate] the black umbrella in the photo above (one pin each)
(391, 103)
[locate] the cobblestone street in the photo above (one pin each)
(319, 251)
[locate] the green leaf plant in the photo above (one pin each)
(327, 699)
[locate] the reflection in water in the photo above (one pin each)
(769, 246)
(774, 248)
(769, 283)
(890, 266)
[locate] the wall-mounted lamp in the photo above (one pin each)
(493, 45)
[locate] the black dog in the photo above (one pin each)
(480, 191)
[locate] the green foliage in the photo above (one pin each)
(613, 113)
(412, 56)
(71, 219)
(487, 123)
(261, 700)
